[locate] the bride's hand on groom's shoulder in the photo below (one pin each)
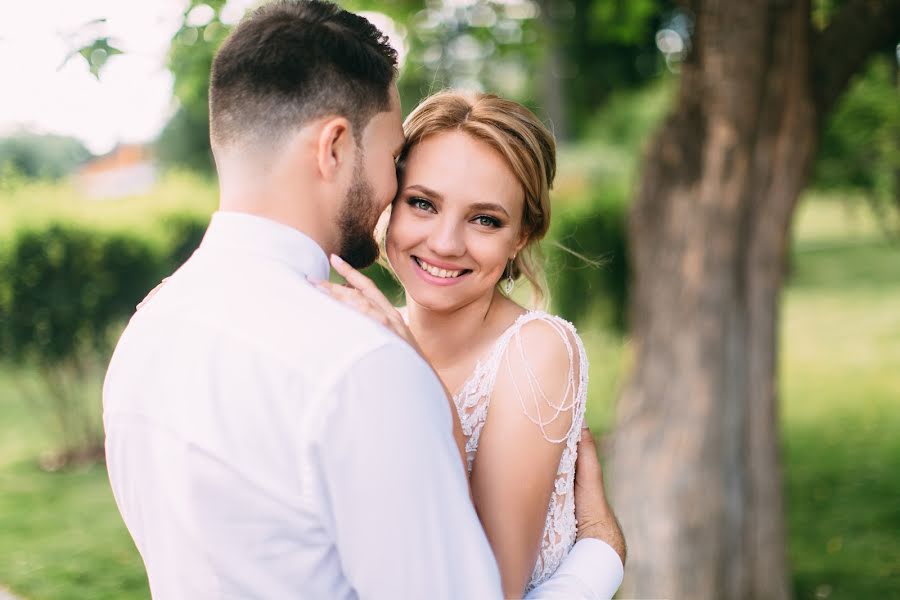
(363, 295)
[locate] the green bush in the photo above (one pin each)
(860, 146)
(41, 156)
(65, 290)
(64, 286)
(588, 263)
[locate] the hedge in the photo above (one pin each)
(63, 286)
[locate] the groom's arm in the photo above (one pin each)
(595, 566)
(591, 571)
(394, 495)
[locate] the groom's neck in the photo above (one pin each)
(291, 201)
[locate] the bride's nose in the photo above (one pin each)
(446, 239)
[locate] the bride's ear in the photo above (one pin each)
(521, 243)
(335, 148)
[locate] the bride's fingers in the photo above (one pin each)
(365, 285)
(355, 299)
(358, 302)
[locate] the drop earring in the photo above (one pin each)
(509, 283)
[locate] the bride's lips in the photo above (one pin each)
(434, 279)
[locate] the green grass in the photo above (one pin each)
(61, 536)
(841, 406)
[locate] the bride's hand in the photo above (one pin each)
(360, 293)
(363, 295)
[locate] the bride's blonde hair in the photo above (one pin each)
(521, 139)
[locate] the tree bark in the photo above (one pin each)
(695, 465)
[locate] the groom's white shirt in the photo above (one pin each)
(265, 441)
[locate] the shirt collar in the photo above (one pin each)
(259, 235)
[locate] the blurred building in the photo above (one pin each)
(128, 170)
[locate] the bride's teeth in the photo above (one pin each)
(442, 273)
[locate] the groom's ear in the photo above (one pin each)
(335, 148)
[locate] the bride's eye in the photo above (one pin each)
(487, 221)
(420, 203)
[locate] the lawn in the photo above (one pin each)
(62, 536)
(841, 411)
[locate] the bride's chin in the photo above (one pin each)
(441, 300)
(434, 303)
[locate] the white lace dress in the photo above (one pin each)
(473, 401)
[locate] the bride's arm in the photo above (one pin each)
(515, 469)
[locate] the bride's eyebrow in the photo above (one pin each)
(489, 206)
(425, 190)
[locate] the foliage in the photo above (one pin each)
(588, 260)
(630, 117)
(63, 286)
(184, 141)
(40, 156)
(71, 272)
(588, 266)
(606, 46)
(489, 44)
(97, 53)
(64, 291)
(96, 47)
(861, 142)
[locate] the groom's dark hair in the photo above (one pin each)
(292, 61)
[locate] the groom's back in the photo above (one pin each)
(214, 400)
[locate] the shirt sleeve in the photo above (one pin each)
(395, 495)
(591, 571)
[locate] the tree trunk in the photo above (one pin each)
(695, 465)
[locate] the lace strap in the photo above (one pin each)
(532, 398)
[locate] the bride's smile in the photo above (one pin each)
(456, 222)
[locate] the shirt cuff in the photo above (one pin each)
(591, 571)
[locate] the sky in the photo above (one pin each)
(42, 92)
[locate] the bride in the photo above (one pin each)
(472, 203)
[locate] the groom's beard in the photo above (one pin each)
(357, 222)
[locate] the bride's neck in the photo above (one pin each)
(446, 335)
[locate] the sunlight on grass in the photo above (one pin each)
(840, 389)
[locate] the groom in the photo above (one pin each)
(263, 440)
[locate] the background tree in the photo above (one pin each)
(41, 156)
(582, 51)
(860, 148)
(592, 49)
(696, 457)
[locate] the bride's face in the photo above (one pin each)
(456, 221)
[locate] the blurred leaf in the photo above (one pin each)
(96, 53)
